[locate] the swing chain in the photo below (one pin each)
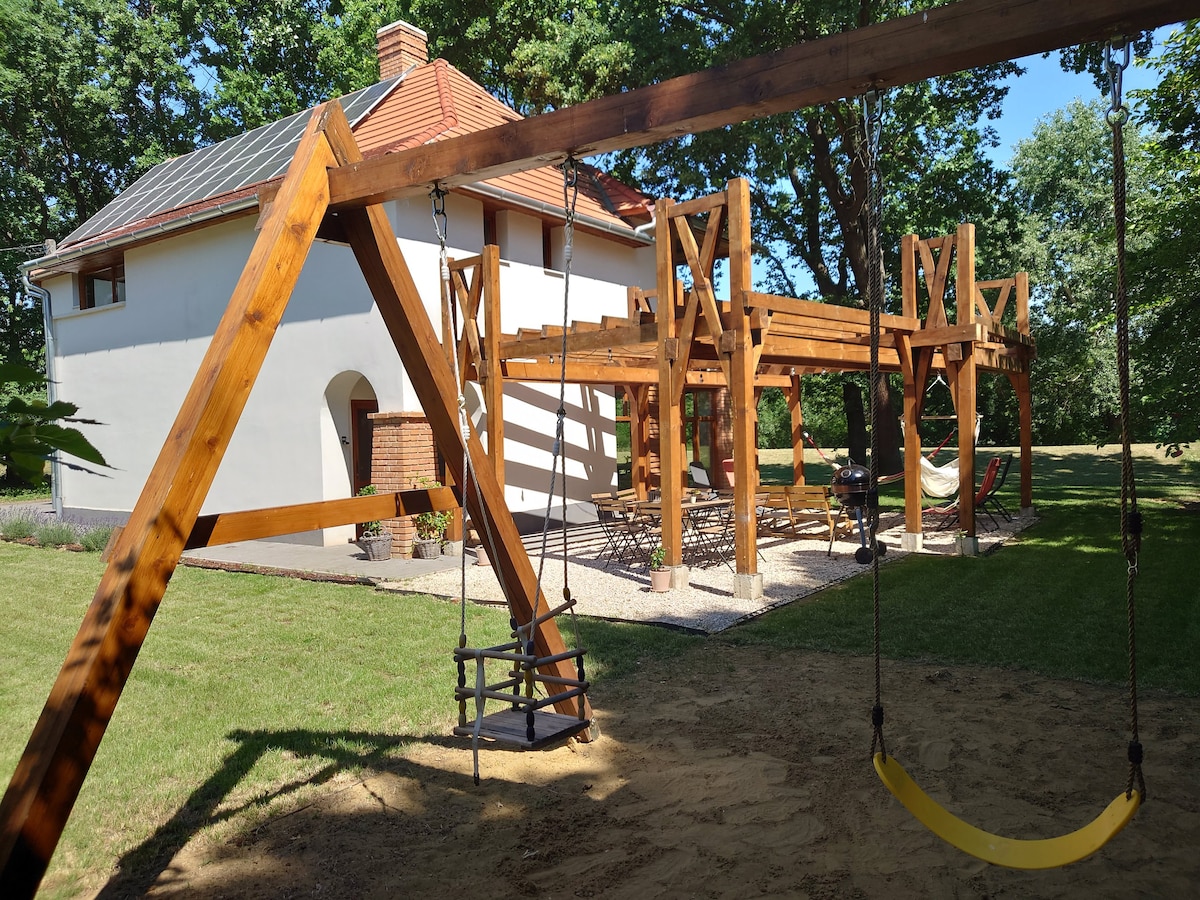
(1131, 518)
(872, 111)
(438, 198)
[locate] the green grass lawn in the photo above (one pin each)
(252, 692)
(1053, 601)
(249, 693)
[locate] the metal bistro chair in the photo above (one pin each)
(991, 501)
(623, 538)
(949, 513)
(715, 537)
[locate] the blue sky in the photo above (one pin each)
(1045, 88)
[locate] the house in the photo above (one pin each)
(135, 294)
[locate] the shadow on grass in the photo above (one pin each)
(142, 866)
(615, 650)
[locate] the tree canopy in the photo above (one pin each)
(94, 92)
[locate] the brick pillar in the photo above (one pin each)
(402, 453)
(722, 434)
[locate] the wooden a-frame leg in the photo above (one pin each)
(374, 244)
(51, 771)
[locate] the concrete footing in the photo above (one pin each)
(748, 587)
(680, 576)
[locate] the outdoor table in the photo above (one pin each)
(700, 518)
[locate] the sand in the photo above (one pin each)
(744, 774)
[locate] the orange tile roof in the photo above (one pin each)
(436, 101)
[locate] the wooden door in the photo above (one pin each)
(360, 442)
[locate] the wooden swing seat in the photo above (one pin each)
(507, 726)
(1048, 853)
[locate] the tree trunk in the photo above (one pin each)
(856, 422)
(887, 427)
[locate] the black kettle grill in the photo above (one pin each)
(851, 485)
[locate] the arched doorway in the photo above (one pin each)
(346, 445)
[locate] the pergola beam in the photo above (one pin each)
(938, 41)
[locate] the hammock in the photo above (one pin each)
(939, 481)
(936, 481)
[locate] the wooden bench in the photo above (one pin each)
(785, 507)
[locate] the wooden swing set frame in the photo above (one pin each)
(328, 176)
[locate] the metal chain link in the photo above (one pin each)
(441, 226)
(570, 171)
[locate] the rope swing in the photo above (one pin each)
(525, 723)
(1068, 848)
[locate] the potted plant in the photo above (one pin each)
(375, 540)
(660, 575)
(431, 527)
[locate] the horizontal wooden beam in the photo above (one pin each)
(786, 307)
(937, 41)
(581, 342)
(599, 374)
(949, 334)
(254, 524)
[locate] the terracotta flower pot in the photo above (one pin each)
(660, 580)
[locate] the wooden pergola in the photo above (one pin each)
(753, 340)
(328, 174)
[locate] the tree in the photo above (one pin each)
(1064, 178)
(1165, 287)
(806, 169)
(92, 93)
(30, 432)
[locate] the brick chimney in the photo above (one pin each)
(400, 46)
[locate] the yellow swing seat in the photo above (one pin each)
(1048, 853)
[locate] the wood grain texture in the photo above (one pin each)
(373, 242)
(937, 41)
(65, 739)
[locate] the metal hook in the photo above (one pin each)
(570, 170)
(1118, 113)
(438, 198)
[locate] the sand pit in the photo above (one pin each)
(739, 774)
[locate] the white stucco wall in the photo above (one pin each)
(130, 365)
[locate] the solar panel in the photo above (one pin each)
(238, 162)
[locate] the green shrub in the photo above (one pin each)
(18, 527)
(55, 534)
(96, 538)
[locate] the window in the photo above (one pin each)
(102, 287)
(699, 419)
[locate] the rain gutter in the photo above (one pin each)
(40, 293)
(151, 231)
(549, 209)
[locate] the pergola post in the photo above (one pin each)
(747, 580)
(964, 386)
(670, 421)
(796, 408)
(492, 378)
